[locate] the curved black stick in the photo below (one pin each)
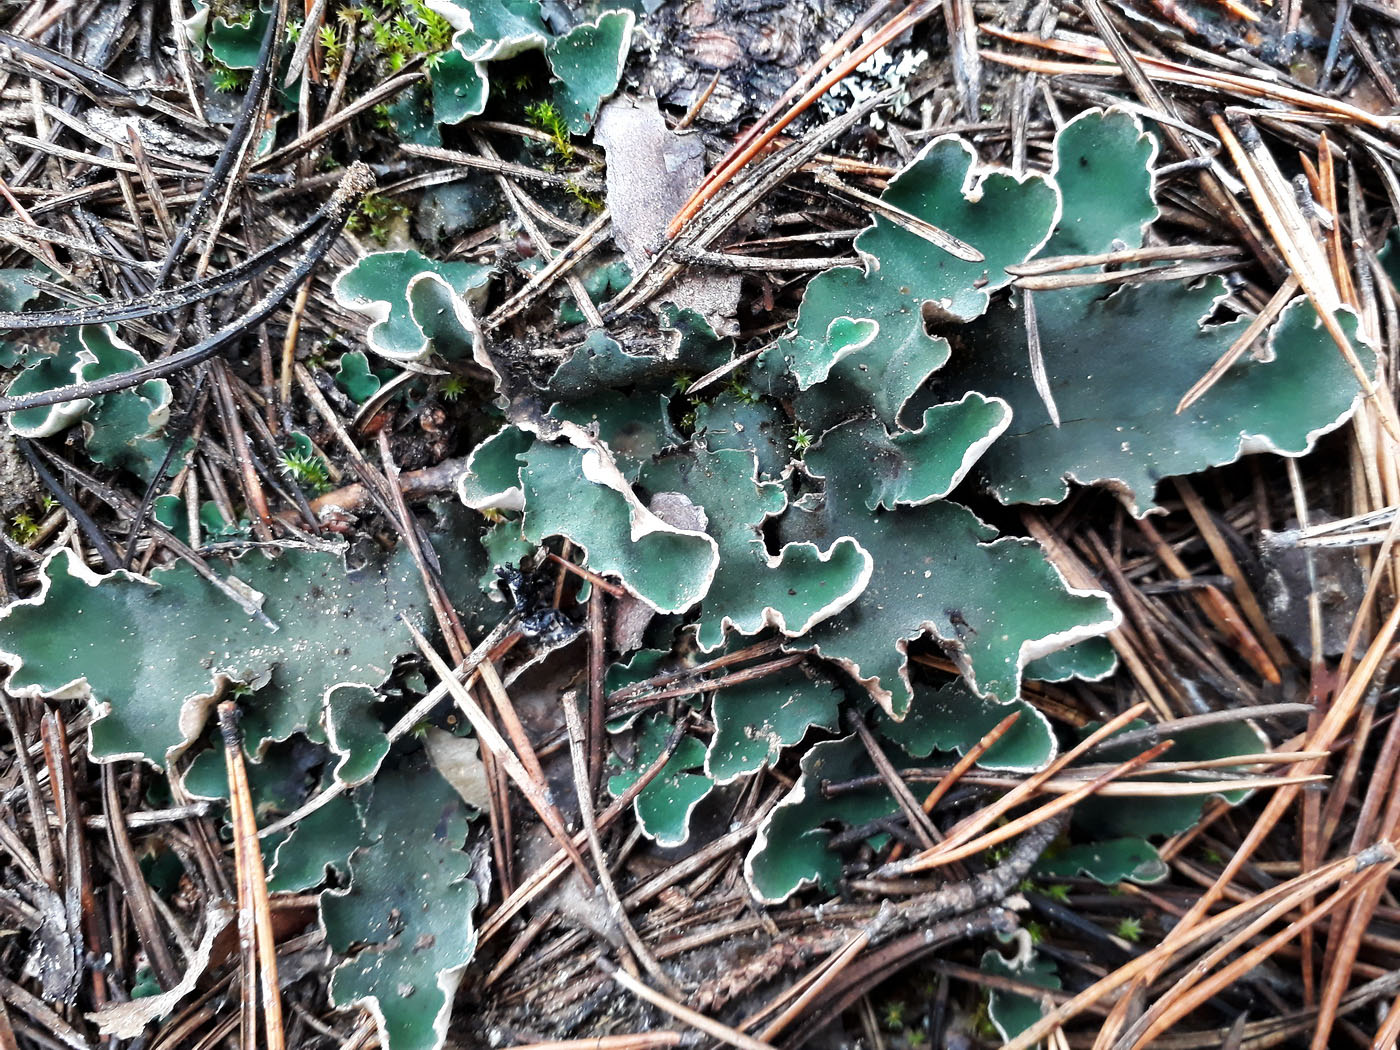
(236, 148)
(72, 506)
(160, 301)
(357, 182)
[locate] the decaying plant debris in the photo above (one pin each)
(646, 524)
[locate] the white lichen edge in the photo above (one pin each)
(670, 841)
(866, 330)
(1246, 442)
(447, 982)
(1029, 713)
(194, 708)
(795, 796)
(974, 177)
(1133, 114)
(974, 451)
(379, 310)
(623, 47)
(599, 467)
(971, 189)
(1030, 649)
(127, 1020)
(512, 498)
(460, 19)
(771, 617)
(62, 416)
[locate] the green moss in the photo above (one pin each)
(402, 30)
(332, 50)
(376, 216)
(547, 117)
(23, 528)
(302, 465)
(741, 393)
(224, 79)
(578, 193)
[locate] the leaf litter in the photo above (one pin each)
(810, 498)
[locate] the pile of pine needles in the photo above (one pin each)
(1277, 925)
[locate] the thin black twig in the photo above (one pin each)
(72, 506)
(357, 182)
(163, 301)
(236, 149)
(176, 437)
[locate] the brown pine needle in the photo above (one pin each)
(554, 866)
(1149, 253)
(920, 228)
(1129, 788)
(254, 910)
(823, 61)
(1320, 739)
(1344, 940)
(631, 1041)
(1243, 593)
(1389, 1032)
(1298, 246)
(533, 791)
(1213, 602)
(1154, 960)
(684, 1014)
(1183, 998)
(1176, 73)
(698, 106)
(966, 762)
(910, 16)
(1325, 190)
(989, 814)
(1239, 10)
(591, 577)
(829, 971)
(937, 856)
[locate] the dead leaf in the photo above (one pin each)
(129, 1020)
(458, 760)
(652, 172)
